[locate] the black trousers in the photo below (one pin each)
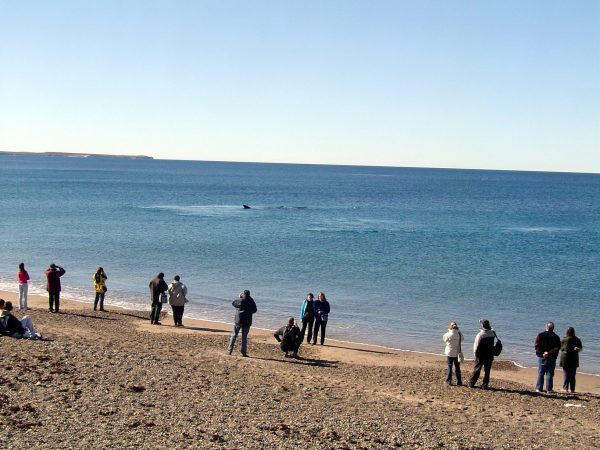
(99, 298)
(322, 325)
(307, 323)
(486, 364)
(156, 309)
(177, 314)
(54, 301)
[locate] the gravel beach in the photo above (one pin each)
(111, 380)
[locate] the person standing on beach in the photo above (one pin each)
(289, 337)
(547, 346)
(483, 347)
(99, 282)
(177, 299)
(453, 339)
(245, 307)
(22, 279)
(158, 288)
(322, 309)
(307, 313)
(53, 274)
(570, 346)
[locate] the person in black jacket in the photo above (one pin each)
(483, 347)
(547, 346)
(289, 338)
(11, 326)
(157, 288)
(245, 308)
(322, 310)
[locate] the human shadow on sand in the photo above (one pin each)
(302, 361)
(87, 316)
(529, 393)
(379, 352)
(210, 330)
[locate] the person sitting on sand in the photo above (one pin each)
(483, 347)
(322, 310)
(289, 337)
(158, 288)
(99, 282)
(11, 326)
(453, 339)
(245, 308)
(53, 274)
(307, 315)
(177, 299)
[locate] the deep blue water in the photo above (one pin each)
(399, 252)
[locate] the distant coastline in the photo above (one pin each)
(74, 155)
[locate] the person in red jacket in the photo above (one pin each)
(53, 274)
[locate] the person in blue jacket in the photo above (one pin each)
(322, 309)
(307, 314)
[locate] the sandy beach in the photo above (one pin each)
(111, 380)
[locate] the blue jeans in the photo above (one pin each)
(234, 335)
(453, 361)
(546, 367)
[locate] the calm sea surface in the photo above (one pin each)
(399, 252)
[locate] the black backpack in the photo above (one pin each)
(497, 346)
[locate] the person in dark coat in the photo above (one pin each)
(483, 347)
(289, 337)
(53, 274)
(322, 310)
(570, 346)
(157, 288)
(547, 346)
(245, 307)
(307, 315)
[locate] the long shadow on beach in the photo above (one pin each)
(530, 393)
(210, 330)
(302, 361)
(87, 316)
(379, 352)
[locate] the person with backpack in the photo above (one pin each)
(158, 289)
(177, 299)
(245, 307)
(307, 315)
(484, 350)
(99, 282)
(53, 274)
(453, 339)
(322, 310)
(547, 346)
(11, 326)
(289, 337)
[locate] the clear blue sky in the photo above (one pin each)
(478, 84)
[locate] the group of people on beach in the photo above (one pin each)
(314, 315)
(548, 347)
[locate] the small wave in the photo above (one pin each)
(540, 229)
(198, 210)
(372, 175)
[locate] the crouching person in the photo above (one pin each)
(11, 326)
(289, 338)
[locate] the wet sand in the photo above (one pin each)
(112, 380)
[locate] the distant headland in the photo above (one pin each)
(74, 155)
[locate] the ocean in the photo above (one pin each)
(399, 252)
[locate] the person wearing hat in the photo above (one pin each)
(245, 307)
(483, 347)
(53, 274)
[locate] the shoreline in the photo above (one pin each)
(348, 351)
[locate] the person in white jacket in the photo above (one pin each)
(453, 339)
(177, 299)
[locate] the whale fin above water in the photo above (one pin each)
(246, 206)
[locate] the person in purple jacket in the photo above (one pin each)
(322, 309)
(53, 274)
